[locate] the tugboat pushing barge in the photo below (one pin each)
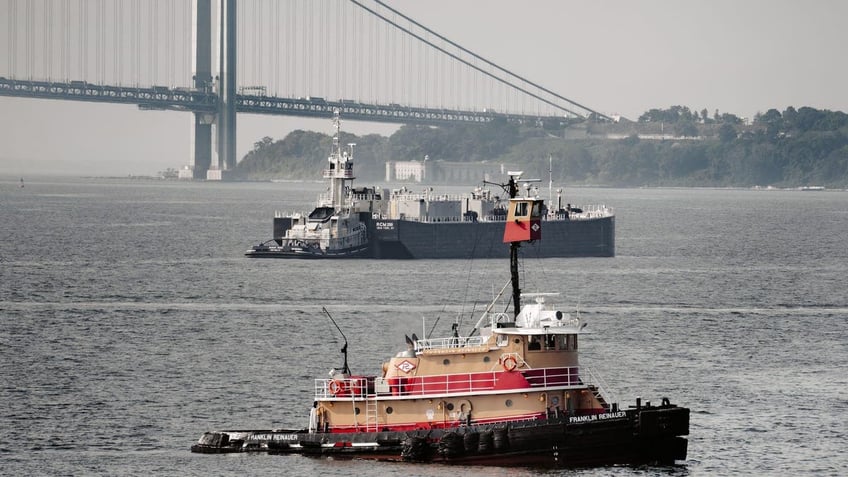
(509, 392)
(335, 228)
(373, 222)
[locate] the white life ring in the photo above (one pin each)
(336, 387)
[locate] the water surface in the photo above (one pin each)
(131, 323)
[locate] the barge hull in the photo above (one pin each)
(404, 239)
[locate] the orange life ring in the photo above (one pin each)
(509, 363)
(336, 387)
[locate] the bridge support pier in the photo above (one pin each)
(201, 160)
(226, 119)
(214, 134)
(203, 124)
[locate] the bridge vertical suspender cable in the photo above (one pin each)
(153, 41)
(260, 50)
(310, 53)
(275, 50)
(13, 33)
(83, 39)
(116, 42)
(290, 45)
(133, 39)
(291, 64)
(98, 42)
(48, 33)
(172, 51)
(137, 34)
(340, 35)
(31, 40)
(259, 33)
(66, 40)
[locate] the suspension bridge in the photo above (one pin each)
(216, 58)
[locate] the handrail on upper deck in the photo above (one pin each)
(450, 342)
(362, 387)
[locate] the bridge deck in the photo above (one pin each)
(185, 99)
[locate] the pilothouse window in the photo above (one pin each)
(552, 342)
(537, 209)
(521, 209)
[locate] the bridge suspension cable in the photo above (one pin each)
(467, 63)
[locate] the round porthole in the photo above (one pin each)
(508, 403)
(356, 411)
(449, 406)
(389, 410)
(555, 401)
(446, 362)
(486, 359)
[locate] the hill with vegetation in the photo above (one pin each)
(670, 147)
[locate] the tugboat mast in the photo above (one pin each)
(522, 226)
(340, 170)
(513, 273)
(513, 257)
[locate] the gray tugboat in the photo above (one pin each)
(335, 228)
(510, 391)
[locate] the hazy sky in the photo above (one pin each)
(615, 56)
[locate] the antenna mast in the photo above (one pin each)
(345, 369)
(550, 179)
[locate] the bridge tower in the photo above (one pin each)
(202, 80)
(214, 134)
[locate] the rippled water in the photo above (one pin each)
(131, 323)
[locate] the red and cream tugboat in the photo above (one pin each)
(509, 392)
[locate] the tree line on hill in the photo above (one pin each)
(670, 147)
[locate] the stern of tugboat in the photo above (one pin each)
(660, 431)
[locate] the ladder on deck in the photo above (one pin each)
(597, 386)
(596, 391)
(371, 417)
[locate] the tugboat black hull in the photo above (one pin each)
(649, 435)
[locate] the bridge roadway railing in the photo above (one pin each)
(151, 97)
(187, 99)
(388, 113)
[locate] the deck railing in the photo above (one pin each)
(338, 173)
(452, 342)
(589, 212)
(360, 387)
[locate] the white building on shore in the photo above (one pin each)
(443, 171)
